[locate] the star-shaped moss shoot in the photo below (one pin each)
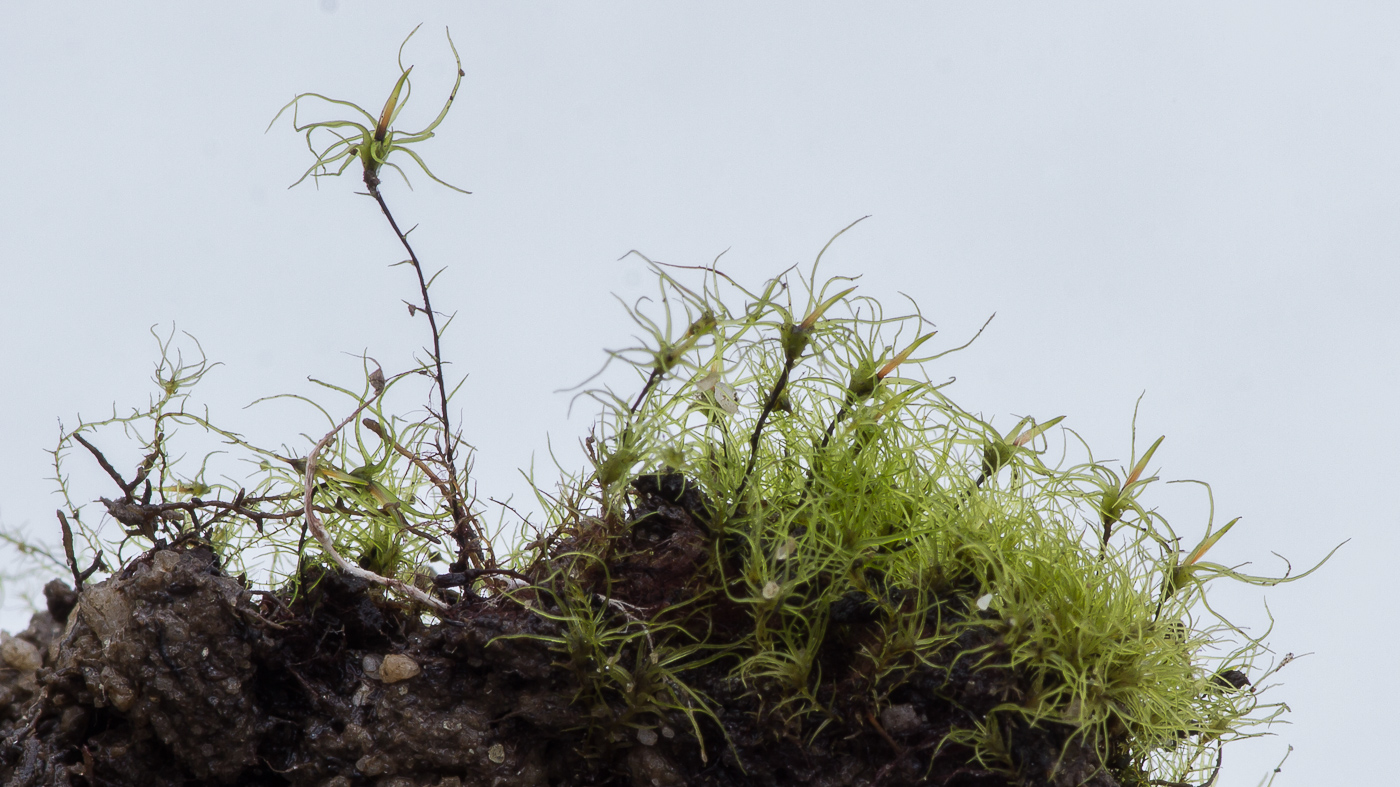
(371, 144)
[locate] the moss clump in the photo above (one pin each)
(793, 559)
(792, 519)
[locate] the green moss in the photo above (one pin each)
(785, 520)
(855, 540)
(959, 549)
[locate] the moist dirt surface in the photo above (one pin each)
(173, 673)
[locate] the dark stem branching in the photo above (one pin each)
(768, 407)
(79, 577)
(465, 530)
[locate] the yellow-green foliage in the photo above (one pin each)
(836, 470)
(837, 474)
(385, 512)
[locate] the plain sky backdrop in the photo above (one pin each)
(1193, 199)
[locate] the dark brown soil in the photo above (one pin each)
(171, 673)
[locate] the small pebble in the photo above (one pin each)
(497, 753)
(372, 764)
(900, 719)
(370, 664)
(396, 667)
(361, 695)
(20, 654)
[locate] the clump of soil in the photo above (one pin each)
(172, 673)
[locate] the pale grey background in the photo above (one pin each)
(1193, 199)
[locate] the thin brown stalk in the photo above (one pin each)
(464, 529)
